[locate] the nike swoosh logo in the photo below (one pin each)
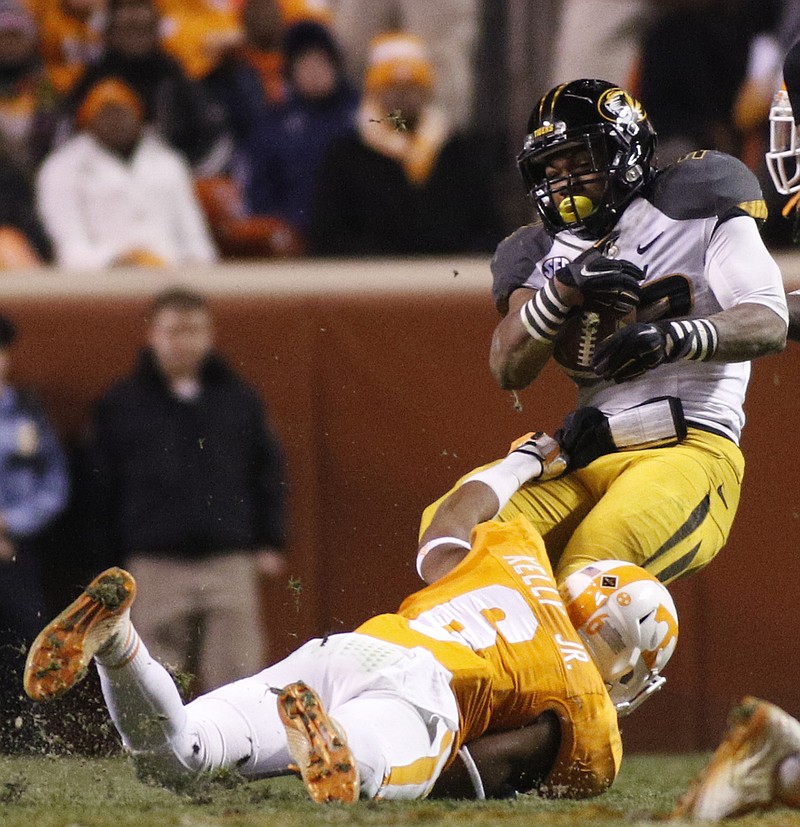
(643, 248)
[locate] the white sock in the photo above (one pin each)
(141, 696)
(122, 646)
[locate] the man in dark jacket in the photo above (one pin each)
(191, 494)
(402, 182)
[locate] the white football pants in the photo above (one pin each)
(394, 705)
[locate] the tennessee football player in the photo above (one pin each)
(490, 679)
(757, 764)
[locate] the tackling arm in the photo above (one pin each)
(480, 497)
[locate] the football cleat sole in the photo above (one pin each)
(317, 746)
(741, 775)
(60, 656)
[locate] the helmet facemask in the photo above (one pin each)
(603, 125)
(784, 146)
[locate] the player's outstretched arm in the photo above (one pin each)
(480, 497)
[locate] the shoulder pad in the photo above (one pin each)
(707, 183)
(514, 260)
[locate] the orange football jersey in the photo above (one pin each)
(498, 624)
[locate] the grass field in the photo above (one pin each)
(104, 792)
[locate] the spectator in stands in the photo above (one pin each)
(700, 48)
(262, 105)
(23, 241)
(178, 108)
(116, 194)
(297, 11)
(449, 27)
(403, 182)
(70, 37)
(291, 139)
(27, 97)
(199, 33)
(34, 491)
(600, 39)
(190, 494)
(250, 78)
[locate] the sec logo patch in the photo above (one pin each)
(550, 265)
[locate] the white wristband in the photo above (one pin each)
(543, 315)
(438, 541)
(503, 482)
(508, 475)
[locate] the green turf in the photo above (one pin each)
(104, 792)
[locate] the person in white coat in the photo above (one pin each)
(114, 194)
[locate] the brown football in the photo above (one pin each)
(585, 327)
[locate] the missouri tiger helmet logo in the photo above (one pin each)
(618, 106)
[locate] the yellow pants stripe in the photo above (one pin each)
(689, 526)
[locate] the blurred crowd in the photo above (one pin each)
(161, 132)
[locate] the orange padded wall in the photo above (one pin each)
(381, 402)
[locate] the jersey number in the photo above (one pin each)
(477, 617)
(666, 298)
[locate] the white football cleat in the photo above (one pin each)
(742, 773)
(62, 651)
(317, 746)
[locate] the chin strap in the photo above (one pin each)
(626, 707)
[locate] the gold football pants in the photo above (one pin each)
(669, 510)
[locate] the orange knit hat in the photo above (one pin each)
(108, 90)
(295, 11)
(398, 57)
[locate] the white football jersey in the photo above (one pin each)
(694, 237)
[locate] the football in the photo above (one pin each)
(584, 328)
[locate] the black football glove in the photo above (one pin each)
(630, 352)
(640, 347)
(584, 436)
(611, 283)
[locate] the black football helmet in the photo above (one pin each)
(613, 128)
